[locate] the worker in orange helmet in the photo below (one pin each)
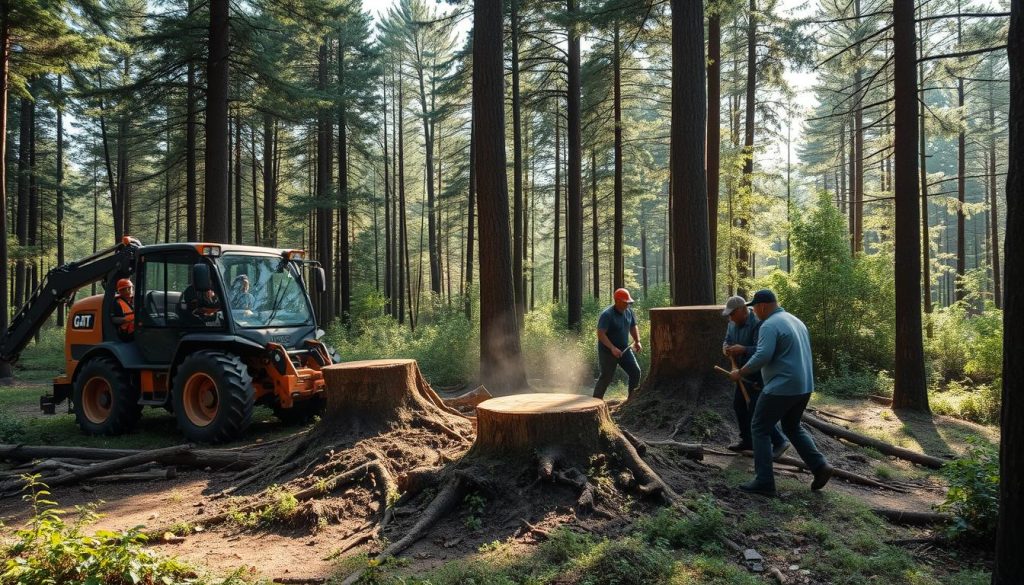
(614, 328)
(123, 312)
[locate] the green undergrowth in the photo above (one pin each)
(832, 536)
(50, 549)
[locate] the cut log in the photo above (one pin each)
(470, 399)
(884, 401)
(866, 441)
(108, 467)
(156, 474)
(216, 459)
(911, 518)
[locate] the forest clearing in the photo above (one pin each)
(589, 292)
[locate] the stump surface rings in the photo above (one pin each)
(527, 422)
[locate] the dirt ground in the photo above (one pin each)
(305, 551)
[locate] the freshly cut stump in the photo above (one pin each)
(527, 442)
(383, 428)
(683, 386)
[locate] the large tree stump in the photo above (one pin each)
(523, 423)
(686, 345)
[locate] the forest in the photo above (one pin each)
(459, 189)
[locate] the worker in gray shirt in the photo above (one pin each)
(740, 344)
(784, 358)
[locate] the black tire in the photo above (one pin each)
(302, 411)
(106, 401)
(213, 397)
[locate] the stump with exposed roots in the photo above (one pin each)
(381, 421)
(686, 345)
(527, 442)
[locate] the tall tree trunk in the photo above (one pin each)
(344, 269)
(713, 135)
(593, 224)
(619, 274)
(501, 362)
(21, 222)
(6, 372)
(691, 269)
(428, 142)
(517, 170)
(215, 203)
(556, 280)
(269, 230)
(324, 201)
(744, 263)
(470, 212)
(911, 390)
(191, 195)
(643, 254)
(1009, 563)
(389, 271)
(961, 178)
(60, 188)
(997, 291)
(238, 178)
(403, 245)
(256, 235)
(858, 151)
(926, 263)
(574, 195)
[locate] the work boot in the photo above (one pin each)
(752, 487)
(740, 446)
(780, 451)
(821, 477)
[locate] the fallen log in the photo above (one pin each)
(881, 446)
(156, 474)
(912, 518)
(883, 400)
(469, 399)
(216, 459)
(836, 472)
(107, 467)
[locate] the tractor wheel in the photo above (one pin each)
(302, 411)
(213, 396)
(106, 401)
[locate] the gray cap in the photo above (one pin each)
(732, 304)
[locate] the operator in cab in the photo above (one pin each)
(123, 311)
(199, 307)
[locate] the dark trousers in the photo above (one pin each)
(744, 414)
(609, 363)
(785, 410)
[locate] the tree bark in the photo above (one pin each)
(911, 390)
(60, 191)
(926, 263)
(691, 268)
(961, 179)
(713, 135)
(1009, 563)
(470, 220)
(593, 224)
(215, 203)
(344, 268)
(238, 178)
(21, 221)
(574, 195)
(556, 279)
(501, 365)
(997, 291)
(517, 169)
(325, 203)
(619, 278)
(743, 251)
(6, 372)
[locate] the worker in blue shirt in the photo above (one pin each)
(615, 326)
(740, 344)
(783, 357)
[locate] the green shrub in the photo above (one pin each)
(981, 403)
(12, 430)
(49, 550)
(973, 495)
(966, 344)
(47, 354)
(626, 562)
(702, 532)
(848, 383)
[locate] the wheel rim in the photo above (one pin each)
(97, 400)
(200, 399)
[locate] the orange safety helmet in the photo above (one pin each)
(623, 295)
(123, 284)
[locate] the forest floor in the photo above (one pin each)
(803, 536)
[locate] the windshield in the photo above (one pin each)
(264, 291)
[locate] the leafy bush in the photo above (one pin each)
(849, 383)
(966, 344)
(973, 496)
(49, 550)
(12, 430)
(847, 302)
(626, 562)
(981, 403)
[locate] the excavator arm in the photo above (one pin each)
(58, 286)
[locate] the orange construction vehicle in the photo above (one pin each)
(211, 331)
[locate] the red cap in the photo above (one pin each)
(623, 295)
(123, 284)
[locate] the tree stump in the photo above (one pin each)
(521, 424)
(686, 345)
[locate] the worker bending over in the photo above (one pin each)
(615, 326)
